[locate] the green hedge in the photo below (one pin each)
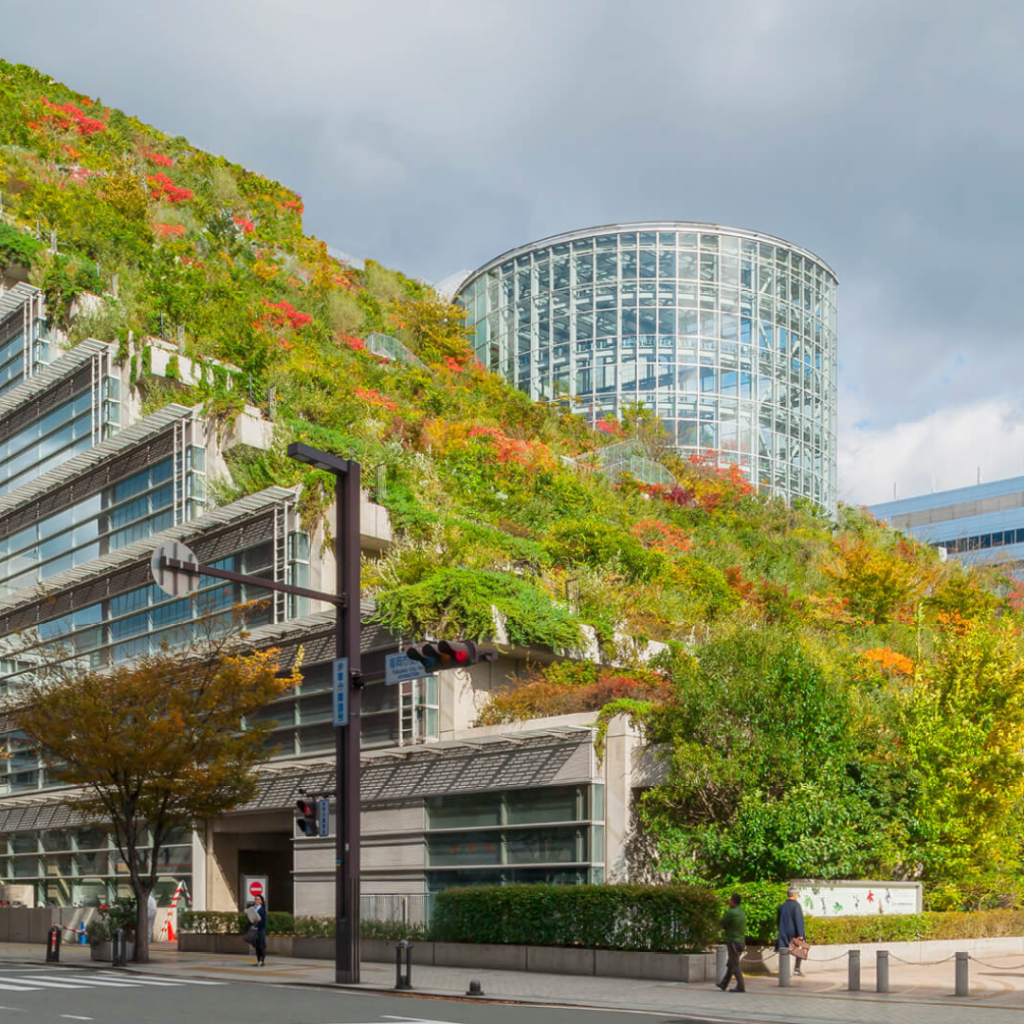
(981, 924)
(761, 905)
(212, 922)
(669, 919)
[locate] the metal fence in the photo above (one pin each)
(400, 908)
(391, 348)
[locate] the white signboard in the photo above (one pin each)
(400, 669)
(323, 817)
(858, 899)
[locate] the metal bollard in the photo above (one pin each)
(963, 985)
(853, 971)
(882, 970)
(785, 967)
(403, 982)
(53, 945)
(119, 948)
(720, 963)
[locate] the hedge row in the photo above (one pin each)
(210, 922)
(669, 919)
(979, 924)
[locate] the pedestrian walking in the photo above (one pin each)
(790, 921)
(734, 931)
(261, 930)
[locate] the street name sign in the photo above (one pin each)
(340, 702)
(400, 669)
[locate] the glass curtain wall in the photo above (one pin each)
(729, 336)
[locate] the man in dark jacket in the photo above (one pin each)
(791, 924)
(734, 931)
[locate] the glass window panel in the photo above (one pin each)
(648, 263)
(464, 811)
(667, 263)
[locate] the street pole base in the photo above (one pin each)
(346, 977)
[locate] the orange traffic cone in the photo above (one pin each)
(171, 937)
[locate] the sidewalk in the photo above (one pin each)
(921, 994)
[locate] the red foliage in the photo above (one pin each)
(164, 188)
(169, 230)
(247, 226)
(294, 204)
(653, 533)
(453, 364)
(609, 425)
(157, 158)
(356, 344)
(67, 116)
(743, 587)
(284, 314)
(376, 398)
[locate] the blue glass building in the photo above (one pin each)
(728, 335)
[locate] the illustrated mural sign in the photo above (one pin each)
(858, 899)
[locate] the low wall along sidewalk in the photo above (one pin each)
(608, 963)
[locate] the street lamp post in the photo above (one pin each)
(176, 570)
(347, 738)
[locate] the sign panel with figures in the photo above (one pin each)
(858, 899)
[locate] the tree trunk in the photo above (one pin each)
(143, 926)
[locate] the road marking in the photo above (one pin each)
(72, 1016)
(19, 988)
(97, 981)
(43, 981)
(163, 978)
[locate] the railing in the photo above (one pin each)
(387, 347)
(400, 908)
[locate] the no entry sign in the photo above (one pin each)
(255, 888)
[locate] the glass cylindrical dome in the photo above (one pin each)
(728, 335)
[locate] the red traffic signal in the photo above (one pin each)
(306, 817)
(449, 654)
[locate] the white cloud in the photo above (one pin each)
(937, 452)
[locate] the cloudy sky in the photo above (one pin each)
(886, 137)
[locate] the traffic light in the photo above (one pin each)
(448, 654)
(306, 817)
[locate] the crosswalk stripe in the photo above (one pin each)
(167, 979)
(45, 982)
(19, 988)
(95, 981)
(131, 979)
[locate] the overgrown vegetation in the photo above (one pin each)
(834, 701)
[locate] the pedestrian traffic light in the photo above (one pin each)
(306, 817)
(449, 654)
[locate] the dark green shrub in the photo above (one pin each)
(669, 919)
(760, 903)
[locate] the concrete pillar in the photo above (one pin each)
(221, 871)
(963, 985)
(882, 970)
(785, 967)
(853, 970)
(618, 797)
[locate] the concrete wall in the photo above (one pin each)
(32, 924)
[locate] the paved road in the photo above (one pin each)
(57, 995)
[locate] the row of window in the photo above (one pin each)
(12, 355)
(58, 436)
(630, 266)
(983, 541)
(137, 507)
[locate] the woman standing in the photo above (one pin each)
(261, 930)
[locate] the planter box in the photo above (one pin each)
(104, 951)
(690, 968)
(313, 948)
(484, 957)
(560, 960)
(192, 942)
(382, 951)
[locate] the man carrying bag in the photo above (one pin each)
(790, 920)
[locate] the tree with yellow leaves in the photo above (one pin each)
(156, 744)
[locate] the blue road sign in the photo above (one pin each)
(400, 669)
(323, 817)
(340, 675)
